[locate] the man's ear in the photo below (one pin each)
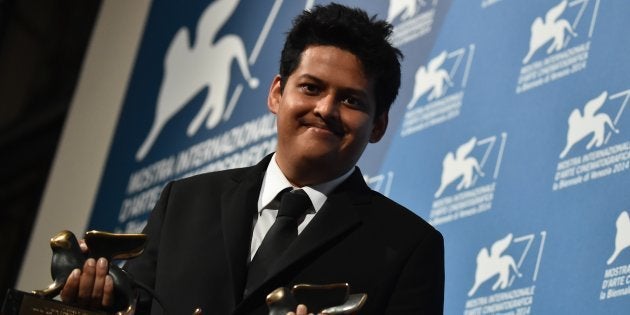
(275, 95)
(380, 125)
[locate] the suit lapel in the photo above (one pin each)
(339, 216)
(238, 206)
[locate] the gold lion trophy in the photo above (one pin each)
(67, 256)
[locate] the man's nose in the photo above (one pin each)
(327, 107)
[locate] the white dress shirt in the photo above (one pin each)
(273, 183)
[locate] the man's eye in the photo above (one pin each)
(353, 102)
(309, 89)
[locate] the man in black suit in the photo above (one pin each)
(338, 77)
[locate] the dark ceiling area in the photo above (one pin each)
(42, 45)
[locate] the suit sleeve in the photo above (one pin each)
(420, 287)
(142, 269)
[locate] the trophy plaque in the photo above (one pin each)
(23, 303)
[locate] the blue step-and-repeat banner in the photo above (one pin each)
(510, 134)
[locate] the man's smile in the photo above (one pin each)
(321, 126)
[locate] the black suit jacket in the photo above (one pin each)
(201, 229)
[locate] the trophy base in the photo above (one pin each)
(23, 303)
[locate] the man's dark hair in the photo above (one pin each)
(351, 30)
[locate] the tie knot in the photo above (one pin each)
(294, 204)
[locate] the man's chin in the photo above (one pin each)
(314, 156)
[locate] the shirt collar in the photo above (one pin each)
(275, 181)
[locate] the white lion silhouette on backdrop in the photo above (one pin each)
(551, 28)
(494, 263)
(622, 239)
(459, 165)
(405, 8)
(191, 65)
(430, 78)
(582, 125)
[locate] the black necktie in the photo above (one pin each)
(282, 233)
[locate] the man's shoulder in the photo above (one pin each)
(383, 211)
(215, 178)
(228, 175)
(390, 212)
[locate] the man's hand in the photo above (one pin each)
(91, 286)
(301, 310)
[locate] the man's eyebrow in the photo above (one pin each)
(311, 77)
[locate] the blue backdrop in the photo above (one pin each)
(508, 135)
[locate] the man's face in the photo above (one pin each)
(325, 115)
